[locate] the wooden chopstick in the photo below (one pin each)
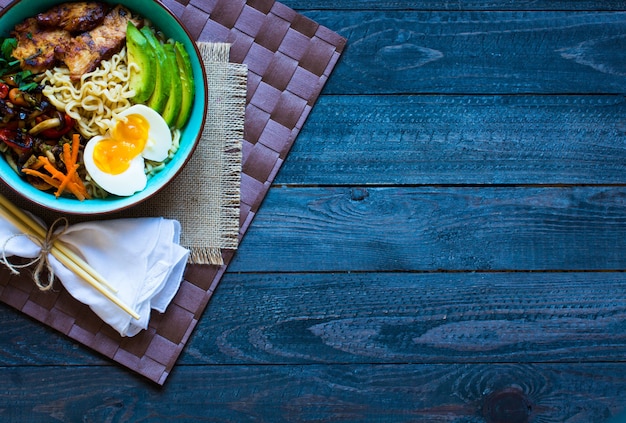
(29, 226)
(63, 249)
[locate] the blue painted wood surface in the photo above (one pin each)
(445, 242)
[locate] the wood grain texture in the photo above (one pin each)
(414, 318)
(26, 342)
(386, 318)
(431, 140)
(479, 52)
(435, 228)
(320, 393)
(444, 243)
(457, 5)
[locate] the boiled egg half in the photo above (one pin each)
(115, 161)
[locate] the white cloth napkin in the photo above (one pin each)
(140, 257)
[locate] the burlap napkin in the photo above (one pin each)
(205, 196)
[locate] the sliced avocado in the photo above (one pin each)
(139, 51)
(161, 92)
(174, 101)
(188, 88)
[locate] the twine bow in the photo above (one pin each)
(41, 260)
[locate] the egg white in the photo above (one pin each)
(159, 135)
(134, 178)
(126, 183)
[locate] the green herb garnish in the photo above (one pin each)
(9, 66)
(7, 47)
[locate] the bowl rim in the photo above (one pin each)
(106, 208)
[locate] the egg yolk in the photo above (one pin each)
(127, 140)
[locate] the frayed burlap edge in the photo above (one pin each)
(227, 92)
(205, 197)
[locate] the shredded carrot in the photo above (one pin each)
(46, 178)
(56, 173)
(67, 156)
(66, 181)
(77, 191)
(75, 178)
(69, 166)
(59, 180)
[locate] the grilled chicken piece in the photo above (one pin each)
(36, 46)
(74, 17)
(84, 52)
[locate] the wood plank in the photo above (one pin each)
(321, 393)
(26, 342)
(433, 228)
(460, 140)
(478, 52)
(414, 318)
(468, 5)
(385, 318)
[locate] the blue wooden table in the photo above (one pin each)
(444, 243)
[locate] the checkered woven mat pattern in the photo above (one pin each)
(289, 59)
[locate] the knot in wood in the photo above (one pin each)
(358, 194)
(509, 405)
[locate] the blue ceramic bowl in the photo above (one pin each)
(167, 22)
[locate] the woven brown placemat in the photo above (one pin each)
(289, 59)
